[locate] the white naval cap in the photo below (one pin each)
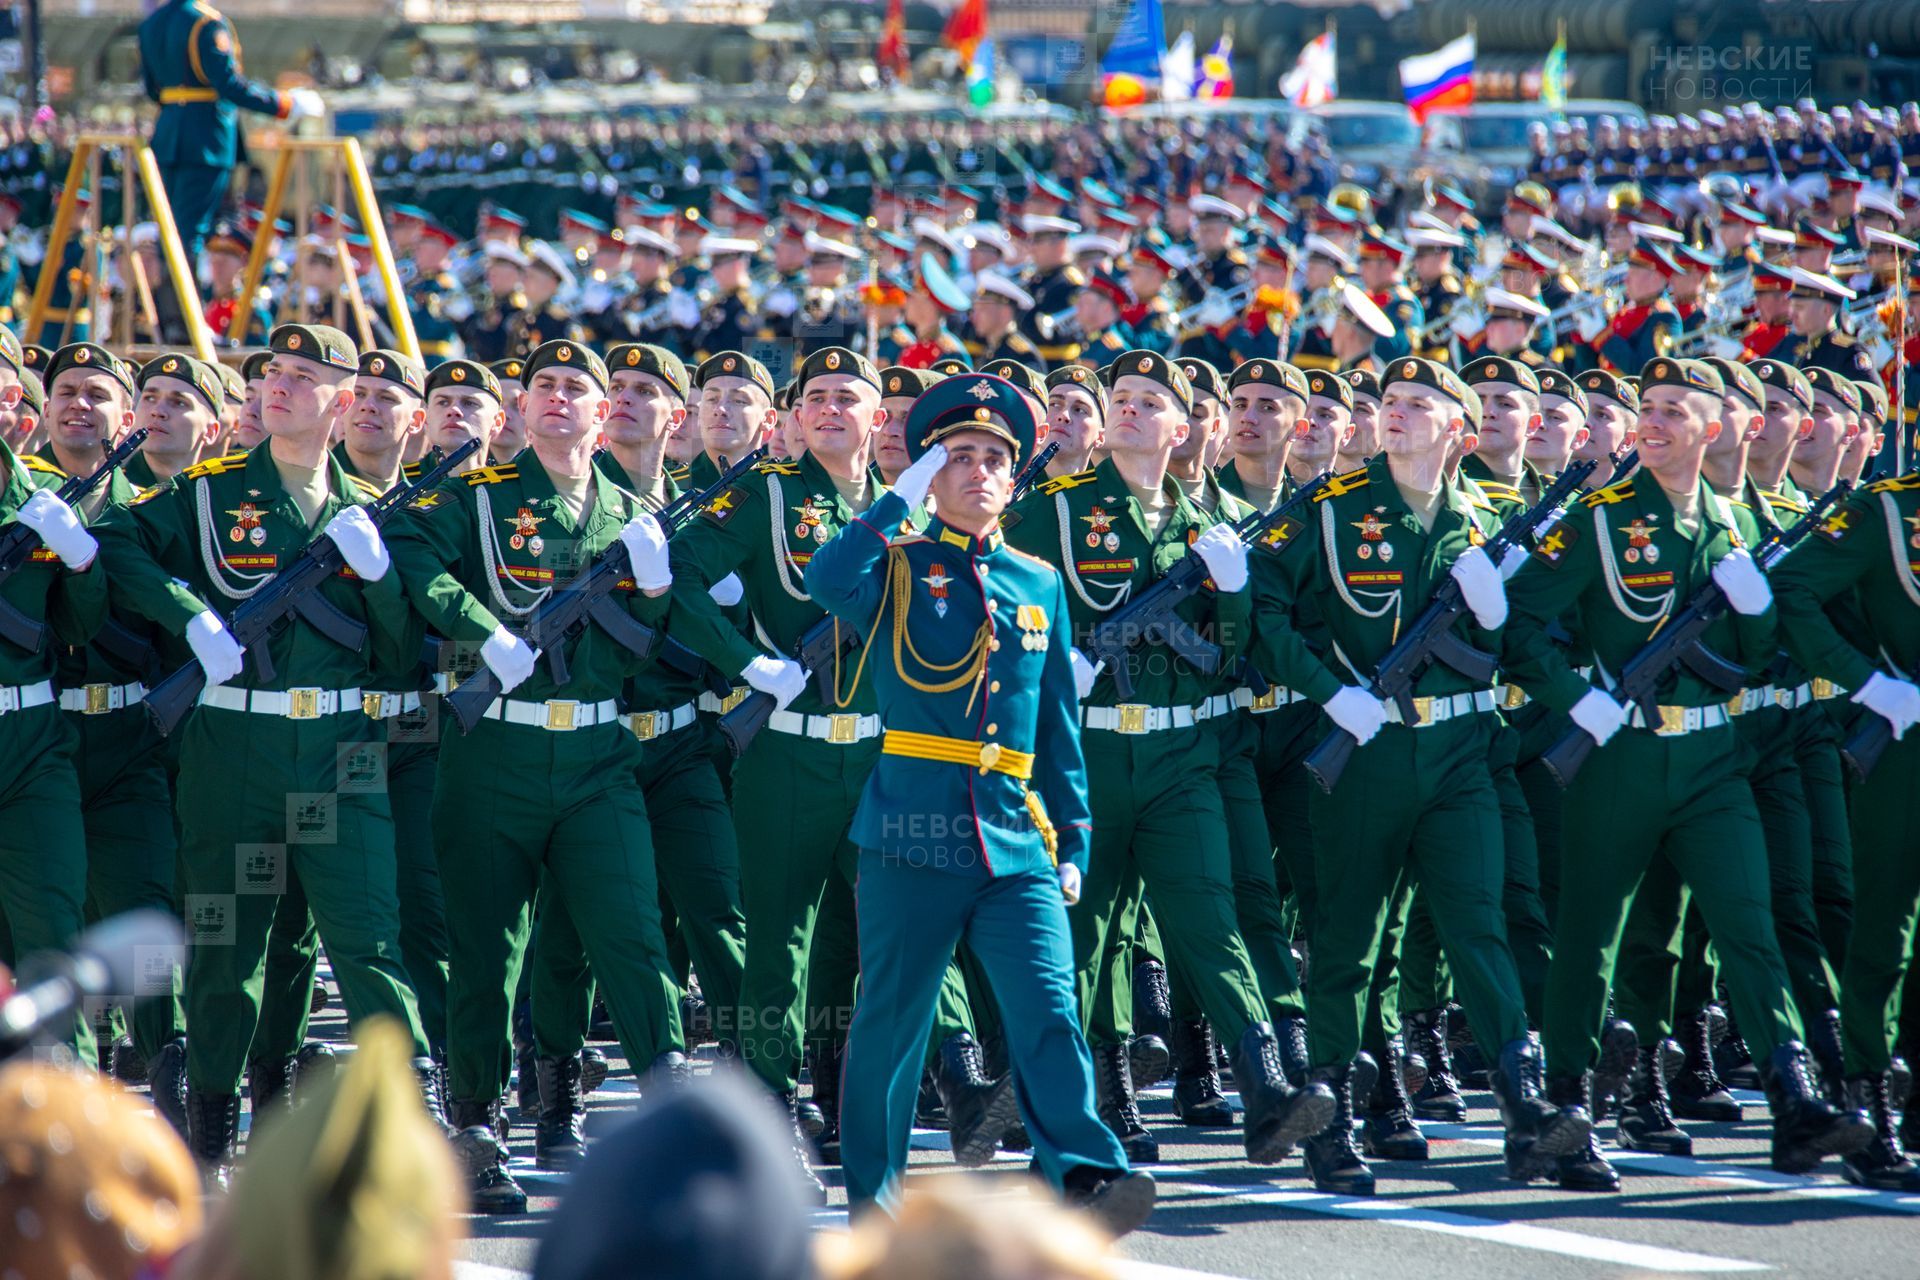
(1362, 308)
(1328, 249)
(1039, 224)
(1212, 206)
(1507, 300)
(1005, 287)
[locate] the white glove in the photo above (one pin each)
(683, 309)
(1465, 322)
(353, 531)
(728, 591)
(1599, 714)
(1746, 587)
(48, 515)
(780, 303)
(214, 646)
(646, 544)
(304, 104)
(914, 482)
(1510, 563)
(596, 297)
(1358, 712)
(1481, 583)
(784, 678)
(1216, 309)
(1897, 701)
(1084, 674)
(1588, 322)
(508, 657)
(1069, 882)
(1225, 555)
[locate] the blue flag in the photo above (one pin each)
(1139, 43)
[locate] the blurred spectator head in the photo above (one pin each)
(354, 1184)
(960, 1227)
(700, 1184)
(91, 1181)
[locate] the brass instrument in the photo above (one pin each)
(1229, 302)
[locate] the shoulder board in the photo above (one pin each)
(1352, 480)
(1236, 256)
(1028, 555)
(679, 475)
(1609, 495)
(365, 486)
(777, 468)
(1064, 483)
(34, 462)
(1020, 342)
(215, 466)
(493, 475)
(1494, 489)
(411, 471)
(1839, 339)
(147, 494)
(1073, 276)
(907, 539)
(1898, 484)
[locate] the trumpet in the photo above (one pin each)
(1220, 305)
(1321, 308)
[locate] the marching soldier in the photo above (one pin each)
(928, 310)
(1772, 307)
(1817, 341)
(437, 302)
(1382, 259)
(729, 321)
(1648, 325)
(1439, 290)
(1097, 311)
(1148, 312)
(543, 319)
(486, 333)
(1052, 283)
(993, 329)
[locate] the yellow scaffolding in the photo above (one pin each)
(90, 293)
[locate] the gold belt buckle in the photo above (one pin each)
(373, 705)
(99, 699)
(843, 728)
(560, 715)
(1673, 719)
(303, 704)
(1422, 711)
(1133, 717)
(645, 725)
(1266, 701)
(1515, 699)
(734, 699)
(1822, 689)
(1737, 704)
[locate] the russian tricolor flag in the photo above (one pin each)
(1439, 81)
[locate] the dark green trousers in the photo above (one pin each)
(1287, 733)
(1823, 780)
(43, 845)
(1256, 892)
(1640, 799)
(1886, 863)
(698, 859)
(413, 761)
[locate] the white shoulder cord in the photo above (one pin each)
(490, 559)
(1610, 574)
(1902, 570)
(1391, 599)
(1063, 516)
(776, 525)
(214, 558)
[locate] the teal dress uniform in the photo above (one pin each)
(980, 789)
(190, 65)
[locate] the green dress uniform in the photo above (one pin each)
(274, 774)
(43, 838)
(980, 789)
(488, 546)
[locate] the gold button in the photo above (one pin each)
(993, 728)
(994, 687)
(993, 646)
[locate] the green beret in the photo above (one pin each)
(1020, 375)
(1778, 373)
(732, 364)
(1737, 377)
(35, 357)
(1500, 369)
(564, 353)
(1330, 386)
(947, 366)
(231, 383)
(1205, 378)
(204, 381)
(33, 394)
(1556, 382)
(90, 357)
(1689, 375)
(1837, 385)
(783, 398)
(1105, 373)
(644, 357)
(395, 367)
(832, 360)
(1083, 379)
(1609, 386)
(321, 343)
(1271, 373)
(254, 367)
(898, 380)
(508, 370)
(972, 402)
(10, 350)
(1435, 377)
(465, 375)
(1873, 398)
(1364, 382)
(1157, 368)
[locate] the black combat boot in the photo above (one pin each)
(1387, 1131)
(802, 1145)
(1585, 1169)
(1698, 1092)
(1332, 1159)
(270, 1086)
(1292, 1034)
(1149, 1060)
(1734, 1060)
(1538, 1132)
(560, 1139)
(1806, 1127)
(1197, 1098)
(1116, 1105)
(526, 1093)
(928, 1113)
(1881, 1166)
(1278, 1116)
(317, 998)
(593, 1068)
(1438, 1096)
(696, 1019)
(428, 1074)
(483, 1157)
(979, 1110)
(1152, 1004)
(167, 1080)
(1619, 1054)
(213, 1135)
(670, 1069)
(1823, 1042)
(1119, 1201)
(1645, 1120)
(824, 1061)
